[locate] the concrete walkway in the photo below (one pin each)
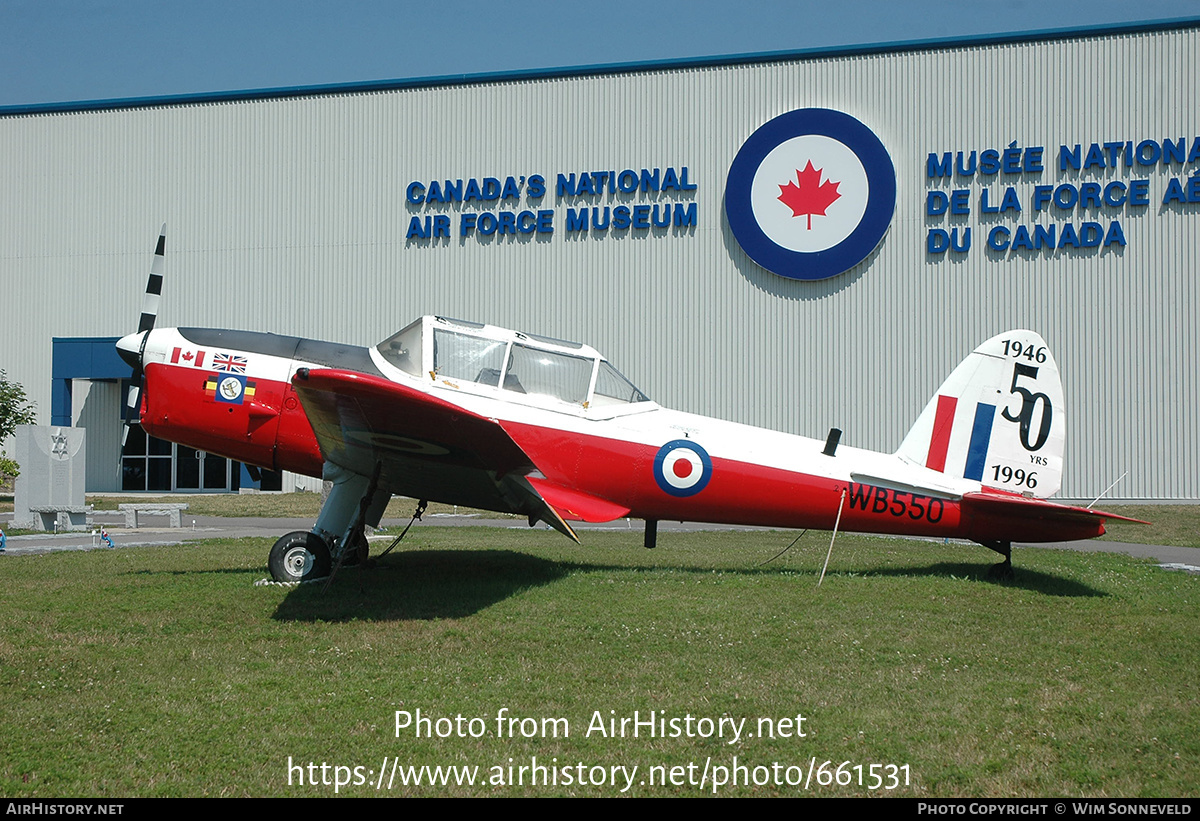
(197, 528)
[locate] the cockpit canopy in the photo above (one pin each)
(462, 354)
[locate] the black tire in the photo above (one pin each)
(299, 556)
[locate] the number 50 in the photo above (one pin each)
(1029, 401)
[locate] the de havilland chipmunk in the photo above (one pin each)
(475, 415)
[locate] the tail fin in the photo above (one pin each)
(997, 419)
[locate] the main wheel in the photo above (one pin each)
(299, 556)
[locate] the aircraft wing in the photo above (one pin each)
(428, 448)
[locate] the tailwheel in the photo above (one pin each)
(298, 557)
(1004, 570)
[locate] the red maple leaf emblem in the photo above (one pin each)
(808, 195)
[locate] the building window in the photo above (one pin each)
(148, 463)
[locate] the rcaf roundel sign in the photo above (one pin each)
(810, 194)
(682, 468)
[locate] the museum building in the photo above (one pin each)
(794, 240)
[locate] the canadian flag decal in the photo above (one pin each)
(187, 357)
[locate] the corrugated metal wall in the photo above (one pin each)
(94, 405)
(289, 215)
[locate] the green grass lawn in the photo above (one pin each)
(1177, 525)
(166, 671)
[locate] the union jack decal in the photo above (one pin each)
(230, 363)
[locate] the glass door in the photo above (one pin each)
(145, 462)
(197, 470)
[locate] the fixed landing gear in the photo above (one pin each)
(339, 537)
(302, 556)
(1004, 570)
(351, 548)
(299, 556)
(359, 550)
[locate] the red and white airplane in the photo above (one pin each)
(474, 415)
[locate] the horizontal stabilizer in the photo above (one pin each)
(1041, 520)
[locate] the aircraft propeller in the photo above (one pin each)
(132, 347)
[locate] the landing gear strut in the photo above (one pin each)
(358, 552)
(1004, 570)
(338, 537)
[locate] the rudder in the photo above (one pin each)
(998, 419)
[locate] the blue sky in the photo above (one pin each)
(74, 50)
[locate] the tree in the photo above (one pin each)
(15, 409)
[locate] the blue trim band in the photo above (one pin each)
(981, 437)
(86, 357)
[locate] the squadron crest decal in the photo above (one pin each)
(232, 388)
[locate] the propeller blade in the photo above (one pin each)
(137, 341)
(154, 284)
(133, 403)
